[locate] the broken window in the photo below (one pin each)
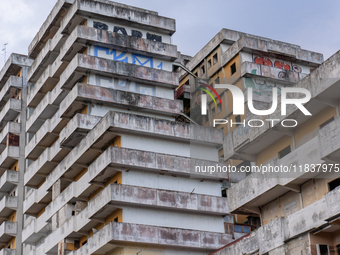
(209, 64)
(215, 59)
(233, 68)
(285, 152)
(334, 184)
(202, 69)
(153, 37)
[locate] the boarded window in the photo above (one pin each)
(284, 152)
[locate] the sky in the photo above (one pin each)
(312, 24)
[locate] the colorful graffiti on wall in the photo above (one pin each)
(131, 58)
(288, 66)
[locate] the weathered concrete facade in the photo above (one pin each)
(107, 166)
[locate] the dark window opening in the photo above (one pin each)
(233, 68)
(213, 113)
(217, 80)
(326, 122)
(187, 82)
(215, 59)
(209, 64)
(238, 120)
(334, 184)
(73, 213)
(224, 193)
(338, 249)
(284, 152)
(202, 69)
(116, 219)
(120, 30)
(83, 243)
(323, 249)
(100, 25)
(76, 244)
(219, 108)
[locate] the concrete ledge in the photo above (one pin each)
(83, 94)
(10, 128)
(49, 28)
(7, 231)
(46, 57)
(45, 136)
(249, 69)
(84, 35)
(259, 44)
(6, 251)
(115, 233)
(8, 205)
(8, 180)
(9, 156)
(9, 112)
(329, 141)
(81, 64)
(10, 89)
(121, 13)
(77, 129)
(13, 66)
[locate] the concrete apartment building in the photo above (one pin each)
(98, 158)
(296, 213)
(108, 169)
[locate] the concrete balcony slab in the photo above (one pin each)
(45, 136)
(6, 135)
(83, 94)
(10, 90)
(8, 230)
(9, 156)
(8, 205)
(9, 112)
(114, 233)
(8, 180)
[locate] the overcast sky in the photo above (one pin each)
(312, 24)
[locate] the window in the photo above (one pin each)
(202, 69)
(224, 192)
(213, 113)
(326, 122)
(238, 120)
(334, 184)
(242, 228)
(215, 59)
(284, 152)
(322, 249)
(217, 80)
(233, 68)
(116, 219)
(219, 108)
(209, 64)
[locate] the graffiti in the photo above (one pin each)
(125, 57)
(261, 86)
(100, 25)
(124, 85)
(281, 65)
(297, 69)
(263, 61)
(122, 30)
(283, 75)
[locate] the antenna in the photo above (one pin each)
(5, 51)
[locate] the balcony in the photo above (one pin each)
(10, 90)
(329, 141)
(8, 230)
(9, 135)
(258, 190)
(183, 92)
(6, 251)
(8, 181)
(9, 112)
(84, 35)
(324, 86)
(114, 233)
(252, 70)
(8, 205)
(9, 156)
(45, 136)
(83, 94)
